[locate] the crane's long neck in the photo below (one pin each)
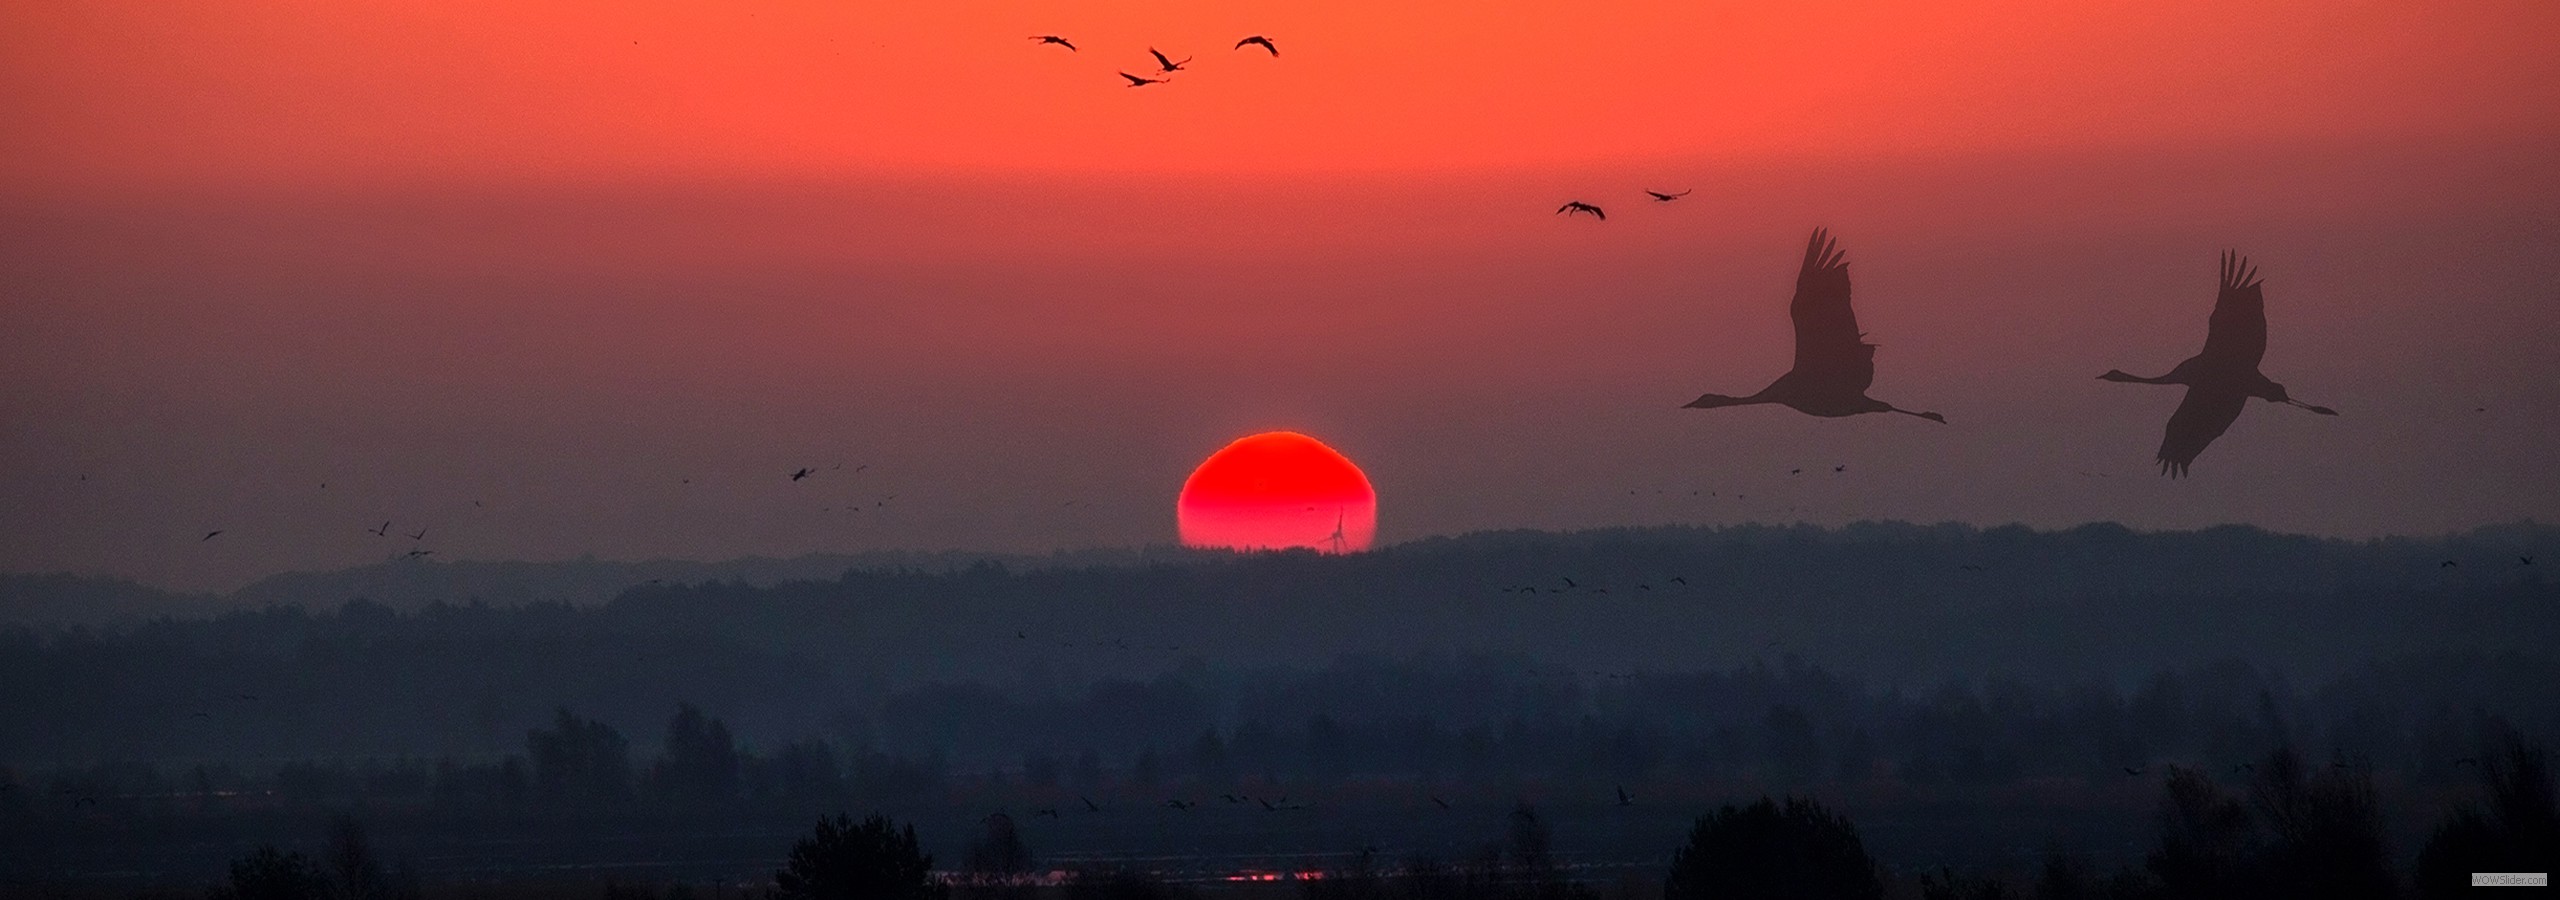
(2119, 375)
(1713, 401)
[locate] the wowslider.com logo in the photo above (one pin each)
(2510, 879)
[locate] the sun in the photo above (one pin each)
(1277, 490)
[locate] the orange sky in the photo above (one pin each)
(145, 93)
(558, 278)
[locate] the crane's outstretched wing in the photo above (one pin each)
(2238, 336)
(1829, 348)
(2204, 415)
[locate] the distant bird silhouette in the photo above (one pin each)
(1834, 364)
(2524, 560)
(1089, 805)
(1180, 804)
(2220, 379)
(2447, 564)
(1839, 468)
(1568, 582)
(1260, 41)
(2132, 770)
(1624, 798)
(1046, 39)
(1443, 804)
(419, 536)
(1231, 798)
(1661, 197)
(1680, 580)
(1135, 81)
(384, 531)
(1576, 206)
(803, 473)
(1050, 811)
(1164, 64)
(208, 535)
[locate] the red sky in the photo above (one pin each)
(561, 257)
(298, 93)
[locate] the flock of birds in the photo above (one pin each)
(1165, 66)
(1834, 364)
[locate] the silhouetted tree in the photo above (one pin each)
(353, 872)
(997, 862)
(579, 761)
(1800, 850)
(2204, 840)
(2324, 830)
(1530, 849)
(876, 860)
(1947, 885)
(2519, 831)
(2066, 877)
(701, 765)
(269, 874)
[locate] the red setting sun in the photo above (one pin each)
(1278, 490)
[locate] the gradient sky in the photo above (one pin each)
(613, 270)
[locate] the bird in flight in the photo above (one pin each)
(1180, 804)
(1834, 364)
(1135, 81)
(1053, 39)
(803, 473)
(208, 535)
(384, 531)
(1050, 811)
(1576, 206)
(1089, 805)
(419, 536)
(2220, 379)
(1443, 804)
(2132, 770)
(1660, 197)
(1624, 798)
(1260, 41)
(1165, 64)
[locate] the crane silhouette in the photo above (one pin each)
(1258, 40)
(2220, 379)
(1834, 363)
(1661, 197)
(1135, 81)
(1166, 64)
(1576, 206)
(1046, 39)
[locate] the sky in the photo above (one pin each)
(557, 279)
